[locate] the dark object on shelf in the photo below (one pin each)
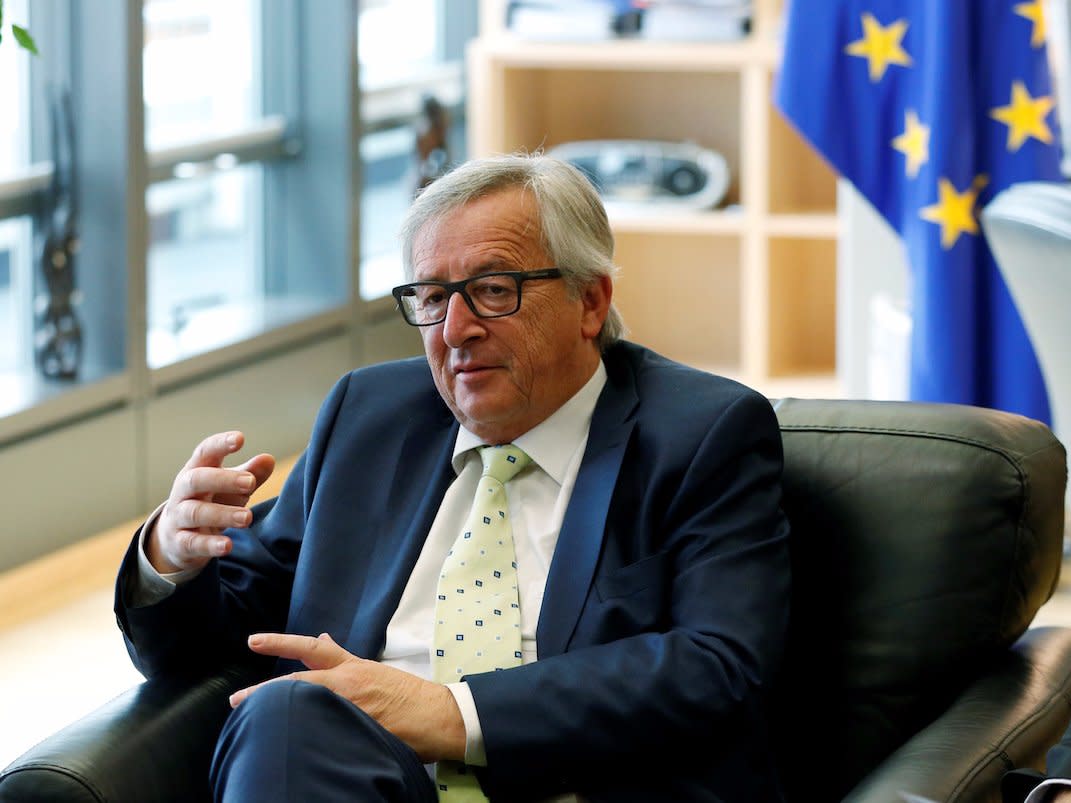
(648, 173)
(57, 332)
(432, 146)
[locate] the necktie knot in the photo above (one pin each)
(503, 462)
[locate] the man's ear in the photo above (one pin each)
(596, 298)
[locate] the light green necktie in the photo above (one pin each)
(477, 625)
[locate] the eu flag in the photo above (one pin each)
(930, 108)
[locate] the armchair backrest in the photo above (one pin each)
(924, 539)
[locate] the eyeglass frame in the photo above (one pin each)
(518, 276)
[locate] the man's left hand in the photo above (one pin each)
(420, 713)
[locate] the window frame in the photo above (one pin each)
(307, 142)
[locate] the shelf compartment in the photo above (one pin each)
(802, 306)
(680, 295)
(799, 179)
(547, 107)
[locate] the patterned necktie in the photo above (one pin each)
(477, 624)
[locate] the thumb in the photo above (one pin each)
(261, 467)
(326, 653)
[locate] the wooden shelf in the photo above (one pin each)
(804, 225)
(514, 52)
(671, 221)
(760, 272)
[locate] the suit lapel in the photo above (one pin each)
(426, 454)
(584, 525)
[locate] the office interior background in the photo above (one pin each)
(234, 174)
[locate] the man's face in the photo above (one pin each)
(503, 376)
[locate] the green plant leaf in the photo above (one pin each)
(22, 36)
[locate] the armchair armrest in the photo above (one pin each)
(153, 743)
(1008, 718)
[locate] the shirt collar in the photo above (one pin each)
(552, 443)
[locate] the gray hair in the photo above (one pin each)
(572, 219)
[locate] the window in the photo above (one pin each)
(205, 273)
(412, 86)
(200, 68)
(214, 149)
(208, 281)
(16, 301)
(14, 99)
(16, 233)
(215, 176)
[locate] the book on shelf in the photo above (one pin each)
(547, 20)
(696, 21)
(595, 20)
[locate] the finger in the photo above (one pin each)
(317, 677)
(243, 694)
(240, 696)
(195, 514)
(189, 544)
(206, 482)
(213, 449)
(260, 468)
(315, 653)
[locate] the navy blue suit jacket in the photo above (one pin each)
(666, 603)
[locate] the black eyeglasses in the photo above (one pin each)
(488, 295)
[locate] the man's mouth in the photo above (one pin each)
(471, 368)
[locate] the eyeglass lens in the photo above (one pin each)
(490, 296)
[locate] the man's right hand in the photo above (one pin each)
(205, 499)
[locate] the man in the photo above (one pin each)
(644, 553)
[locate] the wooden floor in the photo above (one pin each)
(61, 654)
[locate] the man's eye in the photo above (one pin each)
(432, 298)
(491, 289)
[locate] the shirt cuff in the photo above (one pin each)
(475, 755)
(1042, 790)
(149, 586)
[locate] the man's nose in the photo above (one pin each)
(461, 324)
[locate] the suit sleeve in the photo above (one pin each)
(692, 686)
(206, 622)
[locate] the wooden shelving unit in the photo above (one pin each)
(748, 289)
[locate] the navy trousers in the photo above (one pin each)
(296, 741)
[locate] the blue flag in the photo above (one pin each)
(930, 108)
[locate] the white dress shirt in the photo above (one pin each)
(538, 497)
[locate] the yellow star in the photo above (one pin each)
(1025, 117)
(1035, 12)
(954, 211)
(914, 143)
(880, 46)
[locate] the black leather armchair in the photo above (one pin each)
(925, 538)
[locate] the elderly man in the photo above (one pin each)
(547, 561)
